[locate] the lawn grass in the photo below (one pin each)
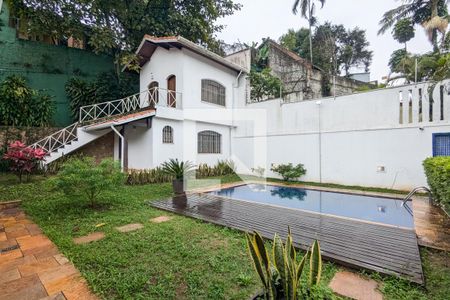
(180, 259)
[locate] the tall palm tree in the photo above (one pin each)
(431, 14)
(307, 9)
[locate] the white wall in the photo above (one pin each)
(345, 140)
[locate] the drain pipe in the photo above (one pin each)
(122, 146)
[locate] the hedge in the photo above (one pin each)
(437, 170)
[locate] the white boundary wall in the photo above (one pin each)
(374, 138)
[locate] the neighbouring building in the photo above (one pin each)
(194, 106)
(46, 63)
(301, 80)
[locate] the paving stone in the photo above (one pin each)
(38, 266)
(33, 229)
(61, 259)
(10, 255)
(92, 237)
(57, 296)
(29, 287)
(17, 233)
(161, 219)
(130, 227)
(7, 244)
(9, 275)
(55, 276)
(30, 242)
(6, 265)
(3, 236)
(42, 252)
(354, 286)
(14, 227)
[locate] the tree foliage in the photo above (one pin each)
(403, 31)
(432, 15)
(117, 26)
(335, 48)
(21, 105)
(106, 87)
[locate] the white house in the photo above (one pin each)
(194, 106)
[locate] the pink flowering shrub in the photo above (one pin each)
(23, 159)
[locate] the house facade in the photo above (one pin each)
(194, 105)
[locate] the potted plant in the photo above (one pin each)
(177, 169)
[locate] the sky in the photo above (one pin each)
(271, 18)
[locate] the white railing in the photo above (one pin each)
(57, 140)
(153, 97)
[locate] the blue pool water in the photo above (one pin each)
(368, 208)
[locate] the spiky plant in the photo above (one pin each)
(280, 274)
(177, 169)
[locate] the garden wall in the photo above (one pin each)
(27, 135)
(377, 138)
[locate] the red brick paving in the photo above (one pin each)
(36, 269)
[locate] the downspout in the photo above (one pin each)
(122, 146)
(235, 86)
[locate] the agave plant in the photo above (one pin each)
(177, 169)
(280, 274)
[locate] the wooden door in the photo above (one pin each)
(171, 91)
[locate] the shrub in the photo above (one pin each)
(437, 170)
(289, 172)
(22, 159)
(223, 167)
(259, 171)
(138, 177)
(22, 106)
(280, 272)
(84, 177)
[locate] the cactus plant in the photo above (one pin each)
(280, 274)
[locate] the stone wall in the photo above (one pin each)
(100, 148)
(27, 135)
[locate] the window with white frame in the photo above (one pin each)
(167, 135)
(213, 92)
(209, 142)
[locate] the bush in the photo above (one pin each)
(84, 177)
(289, 172)
(223, 167)
(22, 106)
(22, 159)
(437, 170)
(138, 177)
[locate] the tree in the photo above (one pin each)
(335, 48)
(403, 31)
(431, 14)
(116, 27)
(307, 9)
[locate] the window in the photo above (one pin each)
(213, 92)
(209, 142)
(441, 144)
(167, 135)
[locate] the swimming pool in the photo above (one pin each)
(368, 208)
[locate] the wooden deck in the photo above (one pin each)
(357, 244)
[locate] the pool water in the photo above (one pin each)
(367, 208)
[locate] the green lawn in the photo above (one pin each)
(179, 259)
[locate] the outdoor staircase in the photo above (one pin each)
(75, 136)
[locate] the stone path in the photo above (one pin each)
(130, 227)
(161, 219)
(31, 266)
(353, 286)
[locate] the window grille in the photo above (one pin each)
(209, 142)
(441, 144)
(213, 92)
(167, 135)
